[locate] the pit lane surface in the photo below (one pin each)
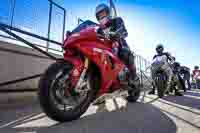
(22, 114)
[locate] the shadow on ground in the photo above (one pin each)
(191, 102)
(135, 118)
(184, 110)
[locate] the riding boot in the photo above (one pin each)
(189, 85)
(176, 90)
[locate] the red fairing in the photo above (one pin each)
(88, 34)
(98, 50)
(78, 67)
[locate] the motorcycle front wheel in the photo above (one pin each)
(161, 84)
(58, 100)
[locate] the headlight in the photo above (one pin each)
(75, 35)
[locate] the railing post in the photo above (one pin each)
(13, 13)
(64, 21)
(140, 61)
(49, 25)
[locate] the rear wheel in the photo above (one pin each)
(58, 99)
(134, 92)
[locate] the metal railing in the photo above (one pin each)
(42, 18)
(11, 28)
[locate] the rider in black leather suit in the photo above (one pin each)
(118, 32)
(160, 52)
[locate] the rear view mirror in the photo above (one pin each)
(68, 33)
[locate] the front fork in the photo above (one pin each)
(80, 84)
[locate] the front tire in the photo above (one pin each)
(47, 102)
(161, 84)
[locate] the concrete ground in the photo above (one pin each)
(21, 113)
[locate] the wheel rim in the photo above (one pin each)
(62, 94)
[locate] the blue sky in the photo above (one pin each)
(175, 23)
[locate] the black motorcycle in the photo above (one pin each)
(160, 78)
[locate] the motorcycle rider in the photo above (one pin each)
(117, 31)
(160, 53)
(186, 72)
(195, 75)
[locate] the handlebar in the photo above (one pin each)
(172, 61)
(102, 34)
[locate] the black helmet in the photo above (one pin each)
(196, 68)
(174, 58)
(100, 8)
(159, 48)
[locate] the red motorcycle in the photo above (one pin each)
(89, 72)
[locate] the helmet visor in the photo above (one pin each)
(159, 49)
(101, 15)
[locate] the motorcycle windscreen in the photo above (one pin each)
(83, 25)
